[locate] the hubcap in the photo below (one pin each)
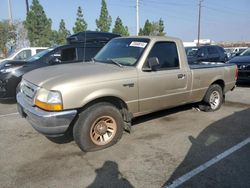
(103, 130)
(214, 100)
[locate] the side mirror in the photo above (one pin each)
(153, 62)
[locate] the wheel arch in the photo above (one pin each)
(221, 83)
(118, 103)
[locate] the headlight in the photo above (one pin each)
(7, 70)
(48, 100)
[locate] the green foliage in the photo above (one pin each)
(153, 28)
(119, 28)
(146, 29)
(80, 24)
(7, 36)
(38, 25)
(161, 28)
(62, 33)
(104, 21)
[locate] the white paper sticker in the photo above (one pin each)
(138, 44)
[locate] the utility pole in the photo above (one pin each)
(199, 22)
(27, 6)
(10, 12)
(137, 17)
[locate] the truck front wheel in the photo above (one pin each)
(98, 127)
(213, 99)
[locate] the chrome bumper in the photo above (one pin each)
(50, 124)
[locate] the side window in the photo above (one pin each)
(167, 54)
(201, 52)
(89, 52)
(68, 54)
(25, 54)
(212, 50)
(39, 50)
(221, 50)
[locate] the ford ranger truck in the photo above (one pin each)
(129, 77)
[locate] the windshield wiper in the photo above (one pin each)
(115, 62)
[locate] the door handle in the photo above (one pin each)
(181, 76)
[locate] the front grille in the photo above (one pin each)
(29, 91)
(247, 67)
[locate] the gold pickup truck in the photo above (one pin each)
(129, 77)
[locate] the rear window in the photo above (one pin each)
(212, 50)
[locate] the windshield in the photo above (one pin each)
(246, 52)
(124, 51)
(191, 51)
(39, 55)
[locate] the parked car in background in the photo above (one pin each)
(243, 63)
(81, 47)
(24, 53)
(229, 52)
(238, 52)
(208, 53)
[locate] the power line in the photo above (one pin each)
(154, 2)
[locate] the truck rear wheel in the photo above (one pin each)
(98, 127)
(213, 99)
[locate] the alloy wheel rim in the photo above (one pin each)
(214, 100)
(103, 130)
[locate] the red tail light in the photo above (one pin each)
(236, 73)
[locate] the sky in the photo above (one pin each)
(221, 20)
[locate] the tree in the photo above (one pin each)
(38, 25)
(7, 37)
(80, 24)
(104, 21)
(161, 28)
(153, 28)
(62, 33)
(146, 29)
(119, 28)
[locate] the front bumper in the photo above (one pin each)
(51, 124)
(244, 75)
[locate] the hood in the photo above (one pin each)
(240, 60)
(78, 73)
(11, 63)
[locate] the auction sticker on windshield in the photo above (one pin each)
(138, 44)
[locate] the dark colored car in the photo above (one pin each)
(243, 63)
(81, 47)
(211, 53)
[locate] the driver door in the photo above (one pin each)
(166, 85)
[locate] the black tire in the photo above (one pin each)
(213, 99)
(93, 129)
